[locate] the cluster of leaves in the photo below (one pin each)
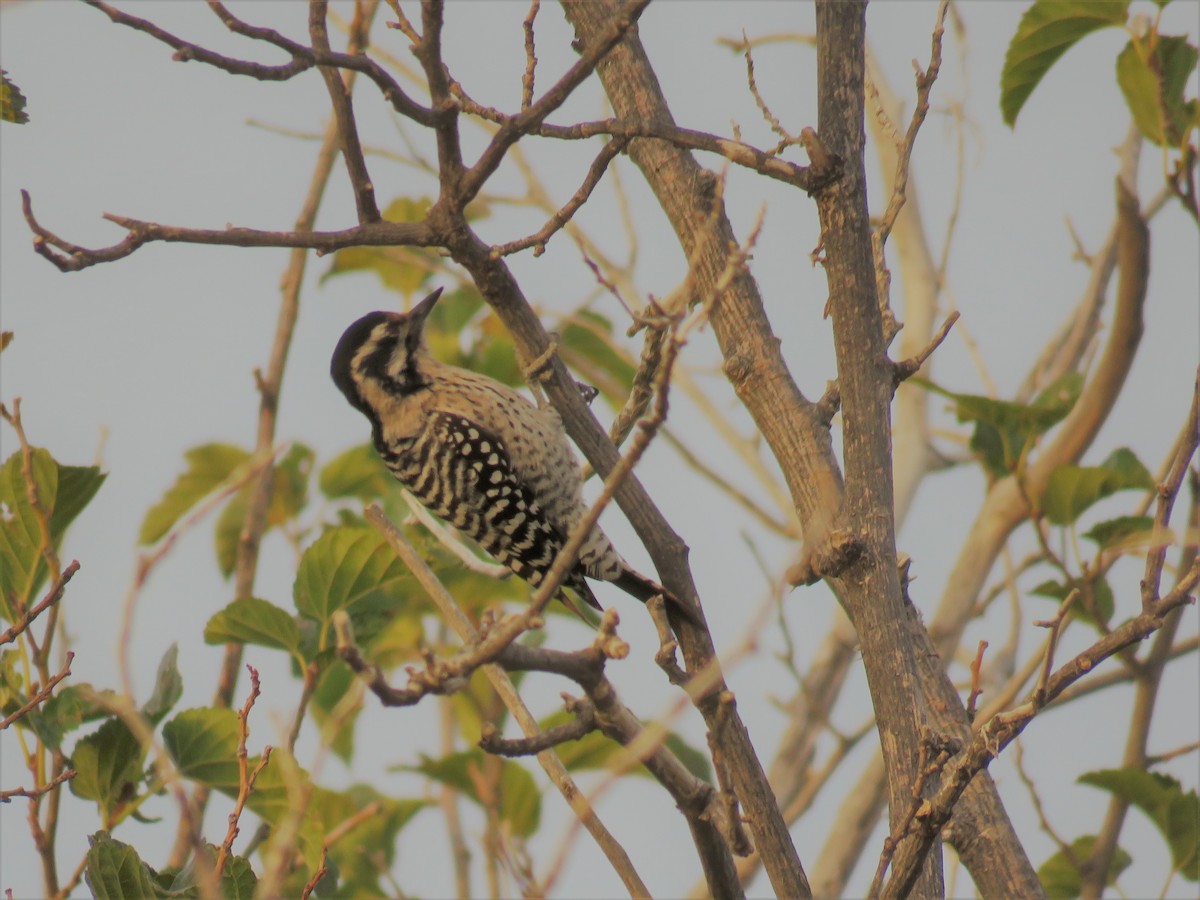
(12, 101)
(1004, 433)
(1161, 798)
(1152, 70)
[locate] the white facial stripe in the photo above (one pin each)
(367, 348)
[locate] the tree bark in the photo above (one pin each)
(869, 587)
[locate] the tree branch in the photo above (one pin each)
(303, 58)
(343, 110)
(1004, 727)
(70, 257)
(511, 130)
(596, 171)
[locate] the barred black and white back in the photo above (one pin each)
(475, 452)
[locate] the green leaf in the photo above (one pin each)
(1004, 429)
(360, 852)
(203, 744)
(168, 687)
(331, 690)
(238, 880)
(1047, 30)
(595, 751)
(254, 621)
(1153, 82)
(357, 473)
(1061, 878)
(116, 872)
(209, 466)
(352, 569)
(1095, 603)
(1071, 490)
(401, 269)
(694, 760)
(520, 803)
(589, 349)
(592, 751)
(1174, 813)
(289, 495)
(109, 767)
(63, 492)
(1123, 532)
(12, 101)
(77, 485)
(520, 800)
(68, 709)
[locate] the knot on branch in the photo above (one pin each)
(826, 166)
(840, 549)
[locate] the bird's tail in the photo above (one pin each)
(638, 586)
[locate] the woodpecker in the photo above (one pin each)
(476, 453)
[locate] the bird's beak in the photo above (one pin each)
(421, 311)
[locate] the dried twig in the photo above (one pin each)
(246, 777)
(303, 57)
(41, 694)
(32, 793)
(69, 257)
(583, 723)
(976, 688)
(52, 597)
(530, 55)
(538, 239)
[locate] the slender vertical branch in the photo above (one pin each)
(270, 385)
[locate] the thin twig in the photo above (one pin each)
(538, 239)
(246, 777)
(40, 694)
(52, 597)
(343, 110)
(530, 56)
(976, 688)
(31, 793)
(69, 257)
(303, 57)
(583, 724)
(907, 368)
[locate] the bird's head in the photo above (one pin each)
(382, 352)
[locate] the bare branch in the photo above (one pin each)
(824, 168)
(303, 57)
(255, 522)
(343, 110)
(907, 368)
(1167, 492)
(41, 694)
(530, 55)
(246, 777)
(529, 119)
(70, 257)
(1004, 727)
(925, 82)
(583, 723)
(33, 793)
(538, 239)
(52, 596)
